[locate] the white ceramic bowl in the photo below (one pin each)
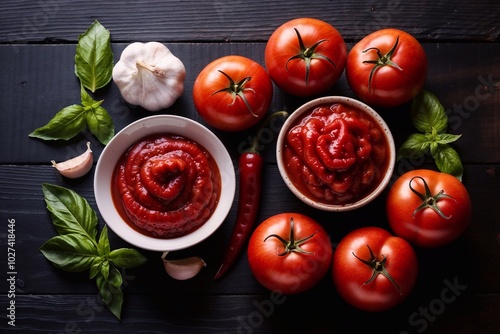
(307, 108)
(127, 137)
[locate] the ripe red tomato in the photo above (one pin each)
(387, 68)
(232, 93)
(289, 253)
(305, 56)
(428, 208)
(374, 270)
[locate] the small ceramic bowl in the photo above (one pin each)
(127, 137)
(308, 198)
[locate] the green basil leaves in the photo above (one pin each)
(97, 118)
(93, 67)
(66, 124)
(70, 213)
(429, 117)
(94, 58)
(77, 247)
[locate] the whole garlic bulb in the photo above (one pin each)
(149, 75)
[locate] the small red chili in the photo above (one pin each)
(250, 184)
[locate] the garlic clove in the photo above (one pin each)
(77, 166)
(183, 269)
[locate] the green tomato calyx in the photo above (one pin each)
(291, 245)
(308, 54)
(382, 60)
(429, 200)
(378, 267)
(237, 90)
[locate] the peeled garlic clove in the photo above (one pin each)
(183, 269)
(77, 166)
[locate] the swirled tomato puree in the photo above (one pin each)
(336, 154)
(167, 185)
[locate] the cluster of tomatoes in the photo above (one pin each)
(372, 268)
(305, 57)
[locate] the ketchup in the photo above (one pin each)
(166, 185)
(336, 154)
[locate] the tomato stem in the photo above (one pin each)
(291, 245)
(237, 90)
(308, 54)
(378, 267)
(382, 60)
(428, 200)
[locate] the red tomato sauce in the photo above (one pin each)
(166, 186)
(336, 154)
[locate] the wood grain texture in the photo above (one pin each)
(457, 289)
(39, 80)
(22, 199)
(49, 21)
(247, 314)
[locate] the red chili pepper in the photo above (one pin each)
(250, 181)
(250, 165)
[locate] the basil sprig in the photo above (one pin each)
(76, 248)
(94, 58)
(93, 67)
(429, 117)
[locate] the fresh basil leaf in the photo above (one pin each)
(448, 161)
(71, 213)
(95, 267)
(126, 258)
(70, 252)
(100, 124)
(428, 113)
(415, 146)
(97, 118)
(433, 148)
(432, 135)
(65, 124)
(110, 290)
(87, 101)
(446, 138)
(94, 57)
(105, 270)
(103, 245)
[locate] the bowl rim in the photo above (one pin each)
(353, 103)
(162, 124)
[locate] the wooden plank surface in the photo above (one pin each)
(39, 79)
(249, 314)
(22, 198)
(49, 21)
(457, 289)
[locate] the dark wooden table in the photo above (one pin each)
(458, 285)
